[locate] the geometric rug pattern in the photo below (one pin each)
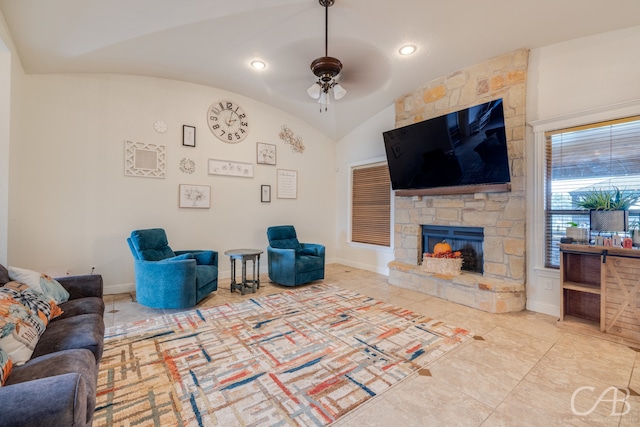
(301, 357)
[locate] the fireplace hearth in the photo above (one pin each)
(468, 240)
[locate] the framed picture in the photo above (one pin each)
(287, 184)
(266, 153)
(188, 136)
(195, 196)
(229, 168)
(144, 160)
(265, 193)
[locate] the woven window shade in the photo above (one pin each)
(371, 205)
(599, 156)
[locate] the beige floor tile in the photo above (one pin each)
(416, 402)
(530, 405)
(591, 366)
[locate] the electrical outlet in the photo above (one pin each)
(548, 284)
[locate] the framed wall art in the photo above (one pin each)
(188, 136)
(265, 193)
(144, 160)
(195, 196)
(266, 153)
(229, 168)
(287, 184)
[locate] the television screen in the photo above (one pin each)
(467, 147)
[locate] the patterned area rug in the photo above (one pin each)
(302, 357)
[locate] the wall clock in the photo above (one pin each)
(228, 121)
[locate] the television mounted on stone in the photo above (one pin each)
(462, 148)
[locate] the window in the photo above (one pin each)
(371, 204)
(601, 156)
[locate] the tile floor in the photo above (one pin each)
(523, 372)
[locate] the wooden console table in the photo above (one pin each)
(600, 291)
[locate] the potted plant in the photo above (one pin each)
(577, 234)
(609, 209)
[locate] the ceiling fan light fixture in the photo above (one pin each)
(326, 68)
(314, 91)
(338, 91)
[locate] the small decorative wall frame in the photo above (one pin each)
(195, 196)
(266, 153)
(188, 136)
(229, 168)
(265, 193)
(144, 160)
(287, 184)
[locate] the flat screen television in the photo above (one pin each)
(467, 147)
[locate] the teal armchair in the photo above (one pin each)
(290, 262)
(168, 279)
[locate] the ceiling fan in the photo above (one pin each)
(326, 69)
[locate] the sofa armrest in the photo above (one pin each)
(36, 403)
(315, 247)
(82, 286)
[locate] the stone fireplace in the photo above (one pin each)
(499, 285)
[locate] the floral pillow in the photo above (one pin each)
(5, 366)
(39, 305)
(40, 283)
(19, 329)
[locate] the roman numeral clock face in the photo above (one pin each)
(228, 121)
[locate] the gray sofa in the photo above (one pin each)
(57, 386)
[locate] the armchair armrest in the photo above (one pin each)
(36, 403)
(166, 283)
(317, 249)
(82, 286)
(202, 257)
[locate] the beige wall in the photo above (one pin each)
(71, 206)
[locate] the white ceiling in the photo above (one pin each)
(211, 42)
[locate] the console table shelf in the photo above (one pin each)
(600, 291)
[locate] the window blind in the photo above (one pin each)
(599, 156)
(371, 205)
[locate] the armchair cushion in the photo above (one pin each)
(152, 244)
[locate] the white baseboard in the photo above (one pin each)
(544, 308)
(121, 288)
(375, 269)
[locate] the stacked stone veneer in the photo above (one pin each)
(502, 215)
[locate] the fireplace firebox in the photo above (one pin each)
(468, 240)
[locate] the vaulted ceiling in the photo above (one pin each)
(212, 42)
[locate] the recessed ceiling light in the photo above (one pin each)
(258, 65)
(407, 49)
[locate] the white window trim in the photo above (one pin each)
(537, 166)
(350, 167)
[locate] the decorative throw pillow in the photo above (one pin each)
(40, 283)
(5, 366)
(4, 275)
(18, 332)
(46, 309)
